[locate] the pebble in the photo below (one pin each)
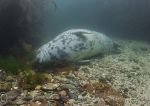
(100, 102)
(14, 92)
(48, 77)
(12, 95)
(80, 97)
(2, 75)
(5, 86)
(10, 78)
(73, 95)
(38, 103)
(69, 86)
(62, 93)
(38, 87)
(40, 98)
(27, 98)
(50, 86)
(54, 97)
(144, 49)
(19, 101)
(71, 101)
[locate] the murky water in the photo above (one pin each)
(54, 42)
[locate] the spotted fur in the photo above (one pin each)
(74, 45)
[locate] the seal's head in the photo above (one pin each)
(42, 54)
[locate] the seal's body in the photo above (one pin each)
(74, 45)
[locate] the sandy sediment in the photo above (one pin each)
(128, 71)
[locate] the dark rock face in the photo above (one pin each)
(18, 19)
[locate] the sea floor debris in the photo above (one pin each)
(114, 80)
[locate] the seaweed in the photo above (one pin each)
(29, 79)
(10, 65)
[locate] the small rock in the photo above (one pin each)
(38, 103)
(63, 96)
(36, 93)
(80, 97)
(71, 101)
(71, 77)
(19, 101)
(114, 101)
(50, 86)
(84, 93)
(38, 87)
(40, 98)
(5, 86)
(13, 94)
(63, 93)
(48, 103)
(73, 96)
(136, 68)
(27, 98)
(10, 78)
(2, 75)
(60, 78)
(15, 85)
(144, 49)
(121, 59)
(100, 102)
(69, 86)
(48, 77)
(54, 97)
(3, 103)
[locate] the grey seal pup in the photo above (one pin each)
(74, 45)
